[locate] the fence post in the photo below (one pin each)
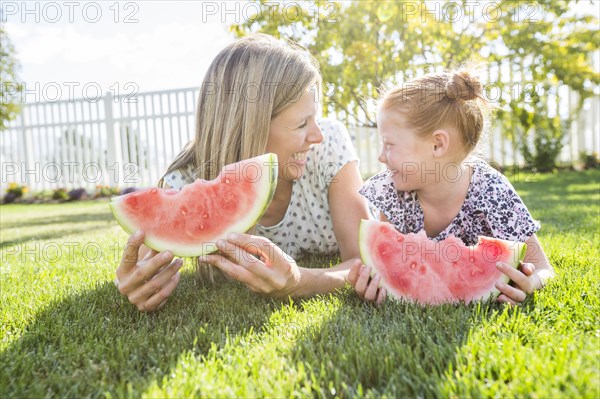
(595, 104)
(28, 146)
(114, 155)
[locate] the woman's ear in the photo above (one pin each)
(440, 142)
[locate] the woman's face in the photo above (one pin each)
(292, 133)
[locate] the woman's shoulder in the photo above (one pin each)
(337, 146)
(179, 177)
(329, 123)
(332, 128)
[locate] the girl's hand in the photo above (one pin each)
(526, 280)
(258, 263)
(147, 278)
(368, 291)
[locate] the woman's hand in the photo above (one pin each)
(526, 280)
(147, 278)
(368, 291)
(258, 263)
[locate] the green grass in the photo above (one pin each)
(66, 332)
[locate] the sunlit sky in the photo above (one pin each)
(155, 45)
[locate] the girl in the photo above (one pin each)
(261, 95)
(429, 129)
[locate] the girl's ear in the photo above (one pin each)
(440, 142)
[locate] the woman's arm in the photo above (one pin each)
(347, 208)
(275, 273)
(264, 268)
(146, 277)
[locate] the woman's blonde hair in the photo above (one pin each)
(442, 99)
(249, 83)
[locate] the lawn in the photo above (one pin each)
(66, 332)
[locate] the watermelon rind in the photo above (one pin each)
(517, 252)
(363, 232)
(267, 185)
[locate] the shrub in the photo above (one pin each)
(60, 194)
(17, 189)
(78, 194)
(9, 198)
(129, 190)
(106, 191)
(44, 195)
(14, 192)
(589, 161)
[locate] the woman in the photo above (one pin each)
(261, 95)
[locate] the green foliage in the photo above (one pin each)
(60, 194)
(17, 189)
(106, 191)
(589, 161)
(10, 88)
(363, 46)
(66, 332)
(541, 136)
(14, 192)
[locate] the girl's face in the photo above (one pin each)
(292, 134)
(405, 154)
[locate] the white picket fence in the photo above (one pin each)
(126, 141)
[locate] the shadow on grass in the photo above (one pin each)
(61, 219)
(65, 224)
(396, 350)
(38, 238)
(96, 342)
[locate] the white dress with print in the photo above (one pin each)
(307, 226)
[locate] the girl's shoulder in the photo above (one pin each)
(485, 176)
(383, 197)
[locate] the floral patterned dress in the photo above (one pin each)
(491, 208)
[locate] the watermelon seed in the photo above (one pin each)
(476, 270)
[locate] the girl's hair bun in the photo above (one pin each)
(462, 86)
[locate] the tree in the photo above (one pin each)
(364, 45)
(10, 89)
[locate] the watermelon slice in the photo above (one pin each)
(417, 269)
(190, 221)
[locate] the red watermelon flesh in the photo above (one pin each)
(190, 221)
(417, 269)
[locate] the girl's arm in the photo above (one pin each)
(534, 272)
